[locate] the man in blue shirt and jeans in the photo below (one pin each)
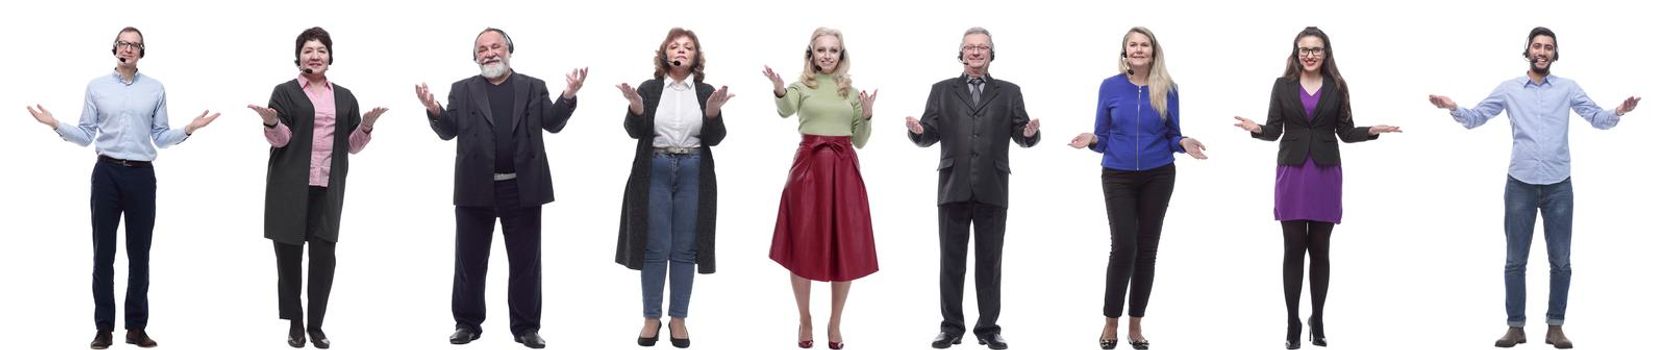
(125, 113)
(1538, 179)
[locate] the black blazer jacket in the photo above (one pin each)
(1302, 137)
(468, 118)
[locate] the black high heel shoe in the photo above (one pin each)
(651, 340)
(1316, 331)
(676, 342)
(1140, 345)
(1293, 336)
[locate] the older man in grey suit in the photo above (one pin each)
(973, 115)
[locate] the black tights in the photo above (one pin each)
(1314, 238)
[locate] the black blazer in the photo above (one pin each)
(1304, 138)
(974, 153)
(287, 167)
(468, 117)
(633, 212)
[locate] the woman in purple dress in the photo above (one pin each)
(1310, 109)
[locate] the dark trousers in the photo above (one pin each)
(120, 190)
(1314, 239)
(474, 245)
(954, 220)
(321, 268)
(1136, 202)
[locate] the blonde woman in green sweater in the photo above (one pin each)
(823, 230)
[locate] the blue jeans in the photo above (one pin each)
(1556, 203)
(673, 205)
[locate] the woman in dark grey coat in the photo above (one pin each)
(670, 208)
(312, 126)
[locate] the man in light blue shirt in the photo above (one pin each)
(1538, 106)
(125, 113)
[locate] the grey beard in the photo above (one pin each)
(494, 70)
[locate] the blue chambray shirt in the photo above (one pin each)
(124, 119)
(1539, 124)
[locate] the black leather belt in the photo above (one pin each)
(124, 162)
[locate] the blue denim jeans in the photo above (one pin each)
(1556, 203)
(673, 205)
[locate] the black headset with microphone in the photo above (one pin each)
(1539, 31)
(962, 56)
(507, 41)
(116, 45)
(841, 54)
(331, 60)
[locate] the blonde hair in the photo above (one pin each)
(841, 74)
(1157, 77)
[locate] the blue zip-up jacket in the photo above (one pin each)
(1130, 133)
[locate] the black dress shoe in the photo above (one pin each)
(995, 341)
(1108, 344)
(651, 340)
(530, 339)
(464, 336)
(297, 336)
(319, 340)
(138, 337)
(944, 340)
(102, 340)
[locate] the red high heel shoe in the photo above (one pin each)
(836, 345)
(806, 344)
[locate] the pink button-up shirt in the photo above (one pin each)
(323, 97)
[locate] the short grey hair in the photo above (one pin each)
(980, 30)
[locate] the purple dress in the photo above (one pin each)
(1310, 191)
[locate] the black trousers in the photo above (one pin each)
(954, 220)
(1136, 202)
(474, 245)
(321, 268)
(122, 190)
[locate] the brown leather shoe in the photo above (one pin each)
(138, 337)
(1512, 337)
(102, 340)
(1554, 336)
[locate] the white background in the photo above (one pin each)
(1417, 261)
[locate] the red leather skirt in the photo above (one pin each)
(823, 230)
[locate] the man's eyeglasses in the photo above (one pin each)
(129, 44)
